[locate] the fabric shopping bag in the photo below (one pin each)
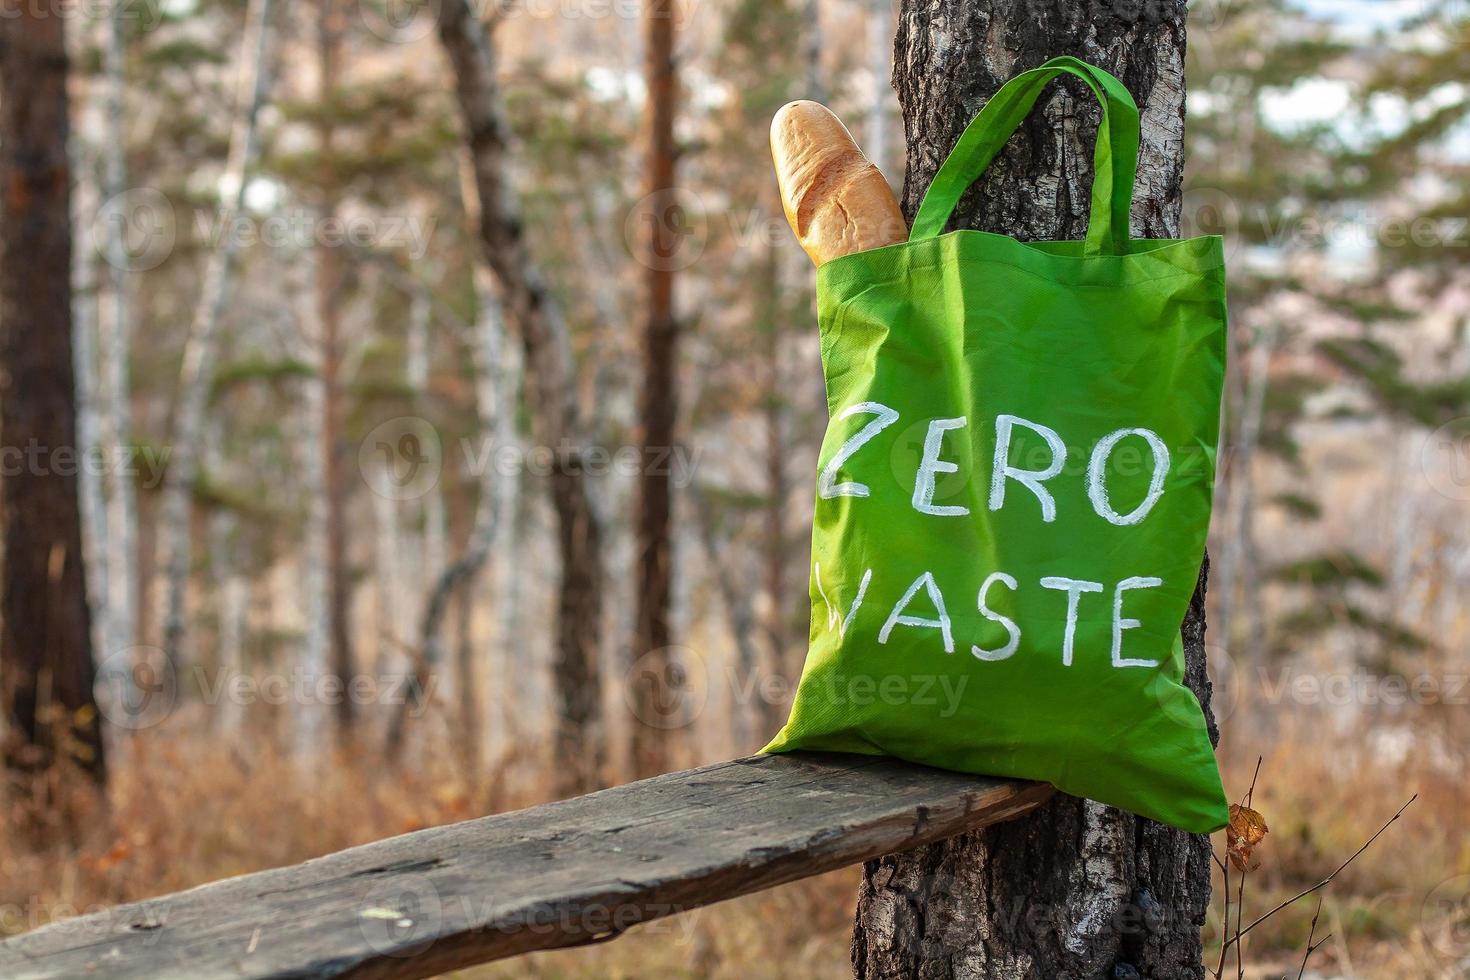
(1014, 490)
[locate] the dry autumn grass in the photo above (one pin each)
(184, 809)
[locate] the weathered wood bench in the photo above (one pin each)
(565, 874)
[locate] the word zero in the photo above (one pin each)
(931, 465)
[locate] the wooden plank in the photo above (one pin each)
(564, 874)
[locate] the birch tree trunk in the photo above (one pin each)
(46, 668)
(658, 399)
(389, 616)
(1076, 890)
(426, 562)
(398, 548)
(309, 722)
(1239, 507)
(231, 593)
(174, 529)
(734, 591)
(115, 385)
(550, 391)
(233, 589)
(494, 406)
(880, 54)
(811, 50)
(510, 663)
(93, 499)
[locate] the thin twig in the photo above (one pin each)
(1250, 797)
(1239, 946)
(1328, 880)
(1311, 934)
(1250, 794)
(1224, 928)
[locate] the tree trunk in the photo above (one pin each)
(389, 616)
(1075, 890)
(811, 50)
(195, 374)
(1238, 507)
(232, 589)
(880, 55)
(494, 408)
(46, 669)
(115, 387)
(550, 392)
(734, 589)
(309, 720)
(95, 538)
(510, 662)
(470, 733)
(329, 296)
(658, 401)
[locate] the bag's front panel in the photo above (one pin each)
(1013, 496)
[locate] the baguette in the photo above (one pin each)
(836, 201)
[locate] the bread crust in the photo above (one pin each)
(835, 200)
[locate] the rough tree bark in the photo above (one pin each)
(1076, 890)
(550, 392)
(658, 398)
(46, 669)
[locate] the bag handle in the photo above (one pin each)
(1115, 160)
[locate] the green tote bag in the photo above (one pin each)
(1014, 490)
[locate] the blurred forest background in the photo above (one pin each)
(312, 444)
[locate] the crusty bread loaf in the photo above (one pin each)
(836, 201)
